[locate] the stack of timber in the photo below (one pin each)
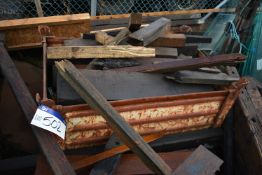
(142, 71)
(140, 84)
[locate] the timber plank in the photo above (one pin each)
(185, 64)
(74, 52)
(51, 20)
(152, 32)
(47, 142)
(169, 40)
(120, 127)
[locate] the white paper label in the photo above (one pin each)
(259, 64)
(50, 120)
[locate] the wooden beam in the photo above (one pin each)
(51, 20)
(47, 142)
(166, 13)
(75, 52)
(152, 32)
(185, 64)
(120, 127)
(39, 8)
(23, 33)
(135, 21)
(169, 40)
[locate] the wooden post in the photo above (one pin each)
(39, 8)
(48, 144)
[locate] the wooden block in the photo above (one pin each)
(78, 52)
(103, 38)
(166, 52)
(135, 21)
(23, 33)
(200, 162)
(152, 32)
(169, 40)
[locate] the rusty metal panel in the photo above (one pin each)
(167, 114)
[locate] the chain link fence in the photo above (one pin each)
(15, 9)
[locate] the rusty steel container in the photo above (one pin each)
(168, 114)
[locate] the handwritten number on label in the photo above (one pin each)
(47, 121)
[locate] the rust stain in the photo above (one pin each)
(168, 115)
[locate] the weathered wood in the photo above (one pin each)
(51, 20)
(169, 40)
(103, 38)
(166, 13)
(121, 128)
(78, 52)
(125, 85)
(166, 52)
(152, 32)
(248, 129)
(39, 8)
(23, 33)
(135, 21)
(198, 39)
(108, 166)
(200, 162)
(47, 142)
(185, 64)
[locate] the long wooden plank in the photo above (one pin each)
(47, 142)
(23, 33)
(75, 52)
(165, 13)
(120, 127)
(185, 64)
(51, 20)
